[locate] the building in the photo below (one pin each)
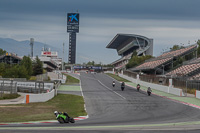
(10, 58)
(165, 62)
(50, 59)
(125, 44)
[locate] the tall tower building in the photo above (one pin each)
(72, 29)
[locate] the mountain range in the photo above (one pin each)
(22, 48)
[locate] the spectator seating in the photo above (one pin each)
(164, 59)
(185, 70)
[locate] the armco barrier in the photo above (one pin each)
(197, 94)
(43, 97)
(167, 89)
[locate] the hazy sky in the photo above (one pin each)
(168, 22)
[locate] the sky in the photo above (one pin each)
(168, 22)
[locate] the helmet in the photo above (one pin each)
(55, 112)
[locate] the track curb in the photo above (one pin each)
(48, 121)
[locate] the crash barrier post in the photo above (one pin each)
(27, 99)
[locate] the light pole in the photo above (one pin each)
(63, 58)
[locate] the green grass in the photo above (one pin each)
(117, 77)
(72, 104)
(69, 88)
(71, 80)
(9, 96)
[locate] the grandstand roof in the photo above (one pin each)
(10, 58)
(185, 70)
(119, 39)
(163, 59)
(151, 64)
(178, 52)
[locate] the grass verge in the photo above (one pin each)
(71, 80)
(117, 77)
(72, 104)
(9, 96)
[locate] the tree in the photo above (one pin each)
(27, 63)
(37, 66)
(22, 72)
(16, 71)
(198, 49)
(2, 52)
(91, 63)
(136, 60)
(134, 53)
(2, 68)
(176, 47)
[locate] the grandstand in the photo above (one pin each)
(189, 70)
(10, 58)
(48, 63)
(163, 62)
(125, 44)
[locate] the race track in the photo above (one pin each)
(110, 105)
(111, 109)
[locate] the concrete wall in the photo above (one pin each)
(167, 89)
(47, 86)
(197, 94)
(43, 97)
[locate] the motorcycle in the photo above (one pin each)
(149, 91)
(113, 84)
(122, 86)
(138, 87)
(63, 118)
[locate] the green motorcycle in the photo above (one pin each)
(63, 117)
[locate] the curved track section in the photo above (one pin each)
(104, 106)
(111, 109)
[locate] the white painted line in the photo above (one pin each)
(83, 95)
(111, 90)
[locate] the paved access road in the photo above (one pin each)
(113, 110)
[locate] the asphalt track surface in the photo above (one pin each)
(113, 110)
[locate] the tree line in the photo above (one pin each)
(25, 69)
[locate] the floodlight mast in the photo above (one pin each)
(31, 44)
(63, 58)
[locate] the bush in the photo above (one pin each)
(137, 60)
(33, 78)
(191, 91)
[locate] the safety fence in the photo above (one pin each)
(11, 86)
(8, 87)
(188, 86)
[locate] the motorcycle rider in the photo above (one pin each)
(122, 86)
(149, 90)
(138, 87)
(56, 113)
(113, 83)
(64, 113)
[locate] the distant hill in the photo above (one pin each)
(22, 48)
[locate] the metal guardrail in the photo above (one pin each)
(6, 87)
(26, 86)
